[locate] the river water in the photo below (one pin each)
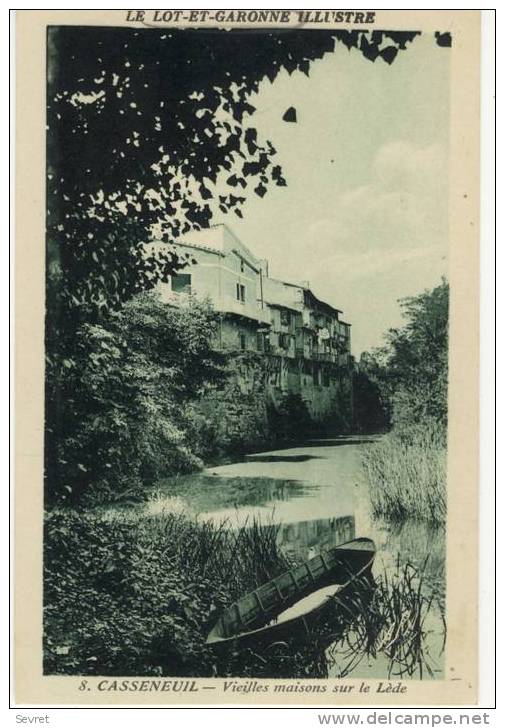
(317, 496)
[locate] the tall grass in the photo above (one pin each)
(130, 594)
(396, 621)
(406, 473)
(400, 621)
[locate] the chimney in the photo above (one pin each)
(264, 266)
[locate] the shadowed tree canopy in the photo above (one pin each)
(142, 124)
(411, 369)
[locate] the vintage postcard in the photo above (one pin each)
(247, 261)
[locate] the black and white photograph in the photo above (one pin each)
(247, 332)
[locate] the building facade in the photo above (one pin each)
(305, 344)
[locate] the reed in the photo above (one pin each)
(400, 620)
(396, 622)
(153, 587)
(406, 473)
(241, 558)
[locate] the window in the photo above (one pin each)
(284, 341)
(181, 283)
(285, 317)
(240, 293)
(242, 340)
(242, 265)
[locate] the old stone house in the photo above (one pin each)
(304, 342)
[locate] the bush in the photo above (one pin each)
(115, 404)
(234, 418)
(290, 421)
(370, 411)
(128, 594)
(231, 419)
(139, 615)
(406, 470)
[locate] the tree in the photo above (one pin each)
(115, 412)
(141, 126)
(412, 367)
(370, 411)
(144, 127)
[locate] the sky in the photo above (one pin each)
(364, 217)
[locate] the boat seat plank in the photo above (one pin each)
(249, 608)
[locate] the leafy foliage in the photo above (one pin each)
(144, 127)
(151, 586)
(115, 411)
(290, 419)
(410, 371)
(370, 410)
(154, 585)
(238, 416)
(233, 418)
(418, 358)
(141, 123)
(406, 470)
(146, 395)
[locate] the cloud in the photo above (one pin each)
(384, 239)
(402, 207)
(365, 214)
(402, 165)
(354, 266)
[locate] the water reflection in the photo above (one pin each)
(283, 486)
(313, 493)
(304, 539)
(316, 497)
(209, 494)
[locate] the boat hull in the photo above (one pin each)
(252, 617)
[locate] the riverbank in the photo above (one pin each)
(153, 586)
(154, 575)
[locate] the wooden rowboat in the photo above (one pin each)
(273, 607)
